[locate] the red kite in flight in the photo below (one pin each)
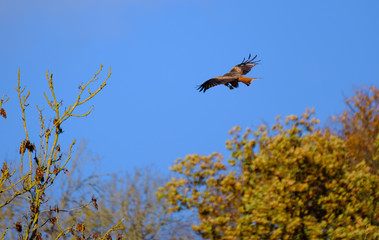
(232, 78)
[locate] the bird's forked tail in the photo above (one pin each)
(246, 80)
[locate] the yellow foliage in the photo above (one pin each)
(291, 181)
(360, 127)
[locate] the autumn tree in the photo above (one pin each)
(114, 196)
(130, 197)
(55, 195)
(40, 165)
(293, 180)
(360, 127)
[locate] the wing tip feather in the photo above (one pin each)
(201, 88)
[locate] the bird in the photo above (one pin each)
(232, 78)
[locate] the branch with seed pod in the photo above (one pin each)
(3, 100)
(54, 105)
(45, 161)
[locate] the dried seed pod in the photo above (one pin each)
(3, 113)
(33, 208)
(119, 236)
(94, 202)
(5, 171)
(26, 144)
(56, 209)
(38, 236)
(53, 220)
(56, 170)
(47, 133)
(22, 147)
(18, 226)
(80, 227)
(30, 146)
(39, 174)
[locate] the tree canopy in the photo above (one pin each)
(293, 180)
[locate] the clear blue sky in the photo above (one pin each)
(312, 53)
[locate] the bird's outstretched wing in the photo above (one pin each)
(245, 66)
(216, 81)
